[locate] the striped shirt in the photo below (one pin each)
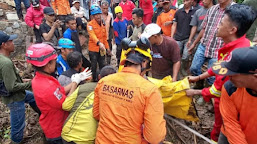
(210, 24)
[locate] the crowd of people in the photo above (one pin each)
(86, 101)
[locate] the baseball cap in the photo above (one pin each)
(48, 11)
(4, 37)
(133, 58)
(242, 60)
(75, 1)
(35, 3)
(151, 29)
(166, 1)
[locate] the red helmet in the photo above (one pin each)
(40, 54)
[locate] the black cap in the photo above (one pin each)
(134, 58)
(35, 3)
(242, 60)
(4, 37)
(48, 11)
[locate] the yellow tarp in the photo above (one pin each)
(174, 98)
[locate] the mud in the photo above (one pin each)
(34, 134)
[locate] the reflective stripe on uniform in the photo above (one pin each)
(214, 91)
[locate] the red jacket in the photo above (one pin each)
(45, 3)
(146, 5)
(34, 16)
(127, 8)
(223, 54)
(49, 96)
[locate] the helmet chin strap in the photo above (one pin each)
(146, 68)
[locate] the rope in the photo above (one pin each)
(189, 129)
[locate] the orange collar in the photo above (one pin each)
(129, 70)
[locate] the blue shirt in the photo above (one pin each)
(62, 65)
(74, 36)
(67, 33)
(120, 29)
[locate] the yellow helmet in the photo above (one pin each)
(140, 49)
(118, 9)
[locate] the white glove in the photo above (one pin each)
(78, 77)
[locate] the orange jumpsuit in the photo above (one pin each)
(96, 33)
(129, 109)
(61, 7)
(238, 110)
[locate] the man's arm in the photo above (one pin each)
(200, 35)
(70, 100)
(28, 19)
(194, 24)
(173, 29)
(200, 77)
(158, 22)
(116, 31)
(154, 124)
(9, 78)
(91, 34)
(230, 114)
(96, 113)
(192, 34)
(48, 36)
(105, 39)
(176, 67)
(70, 88)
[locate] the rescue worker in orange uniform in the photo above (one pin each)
(165, 19)
(129, 107)
(61, 7)
(232, 29)
(97, 44)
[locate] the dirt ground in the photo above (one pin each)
(175, 133)
(33, 132)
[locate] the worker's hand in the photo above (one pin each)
(139, 35)
(26, 80)
(78, 77)
(57, 23)
(167, 23)
(101, 45)
(129, 26)
(193, 79)
(109, 52)
(188, 44)
(37, 27)
(190, 49)
(190, 92)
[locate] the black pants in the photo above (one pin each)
(95, 58)
(37, 35)
(118, 54)
(55, 140)
(85, 63)
(65, 142)
(222, 139)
